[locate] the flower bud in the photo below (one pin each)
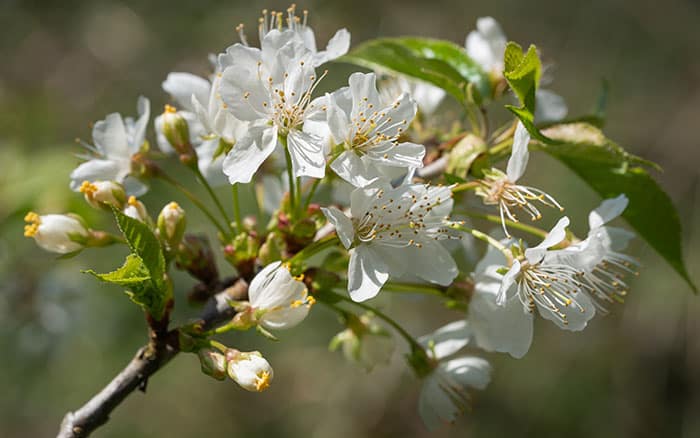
(104, 194)
(171, 224)
(57, 233)
(136, 210)
(213, 363)
(463, 154)
(249, 369)
(176, 131)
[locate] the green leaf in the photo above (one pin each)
(610, 171)
(143, 243)
(143, 272)
(441, 63)
(523, 71)
(132, 273)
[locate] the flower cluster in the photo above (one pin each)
(351, 171)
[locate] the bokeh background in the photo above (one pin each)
(68, 63)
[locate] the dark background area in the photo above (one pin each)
(62, 336)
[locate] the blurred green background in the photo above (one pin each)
(67, 63)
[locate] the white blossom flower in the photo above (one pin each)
(498, 188)
(271, 88)
(116, 140)
(59, 233)
(279, 300)
(395, 232)
(368, 130)
(487, 44)
(209, 123)
(602, 267)
(250, 370)
(445, 391)
(545, 283)
(427, 96)
(337, 46)
(505, 328)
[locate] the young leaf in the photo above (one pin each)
(610, 170)
(523, 71)
(132, 273)
(441, 63)
(143, 243)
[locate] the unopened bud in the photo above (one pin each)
(177, 131)
(135, 209)
(59, 233)
(104, 194)
(250, 370)
(171, 224)
(213, 363)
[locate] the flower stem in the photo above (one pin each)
(511, 224)
(412, 288)
(290, 176)
(472, 185)
(207, 186)
(236, 208)
(189, 195)
(312, 192)
(488, 239)
(315, 248)
(404, 334)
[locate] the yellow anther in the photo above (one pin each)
(296, 304)
(172, 206)
(88, 188)
(32, 217)
(132, 201)
(262, 381)
(169, 109)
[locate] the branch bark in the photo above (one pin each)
(148, 360)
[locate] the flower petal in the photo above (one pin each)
(448, 339)
(608, 210)
(306, 151)
(554, 237)
(366, 273)
(352, 169)
(249, 152)
(110, 137)
(183, 86)
(343, 225)
(520, 155)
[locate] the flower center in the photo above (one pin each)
(552, 286)
(262, 381)
(33, 221)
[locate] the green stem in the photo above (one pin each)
(256, 206)
(236, 208)
(517, 225)
(189, 195)
(298, 187)
(472, 185)
(488, 239)
(413, 288)
(411, 341)
(315, 248)
(311, 193)
(290, 175)
(207, 186)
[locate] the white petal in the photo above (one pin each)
(554, 237)
(434, 406)
(366, 273)
(183, 86)
(306, 151)
(520, 155)
(549, 106)
(99, 170)
(432, 262)
(576, 318)
(507, 283)
(211, 168)
(338, 115)
(242, 87)
(608, 210)
(110, 138)
(363, 88)
(352, 169)
(336, 47)
(507, 328)
(248, 153)
(285, 318)
(486, 45)
(343, 225)
(469, 371)
(448, 339)
(138, 134)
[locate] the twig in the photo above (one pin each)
(147, 361)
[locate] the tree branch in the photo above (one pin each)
(147, 361)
